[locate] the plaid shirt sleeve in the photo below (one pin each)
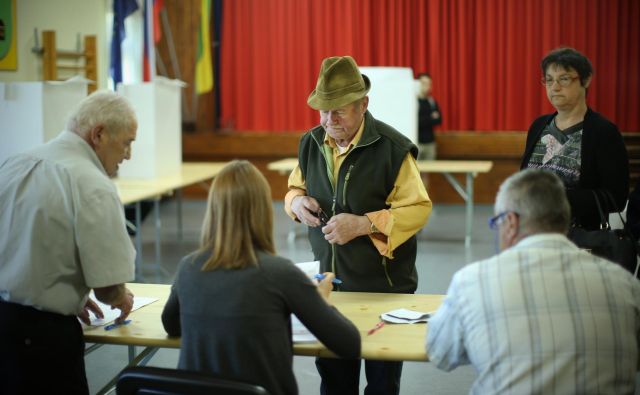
(445, 332)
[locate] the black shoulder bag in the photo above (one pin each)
(616, 245)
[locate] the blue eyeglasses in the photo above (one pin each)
(496, 220)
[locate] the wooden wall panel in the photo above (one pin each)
(504, 149)
(259, 149)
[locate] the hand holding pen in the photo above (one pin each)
(321, 277)
(325, 284)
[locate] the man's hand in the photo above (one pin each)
(94, 308)
(305, 208)
(343, 228)
(124, 305)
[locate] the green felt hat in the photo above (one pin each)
(339, 83)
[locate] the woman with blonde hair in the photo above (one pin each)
(232, 299)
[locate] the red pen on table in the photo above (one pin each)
(375, 328)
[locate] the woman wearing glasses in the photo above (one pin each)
(581, 146)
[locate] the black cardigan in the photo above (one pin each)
(604, 166)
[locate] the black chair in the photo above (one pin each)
(144, 380)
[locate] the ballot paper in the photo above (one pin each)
(405, 316)
(111, 314)
(309, 268)
(299, 332)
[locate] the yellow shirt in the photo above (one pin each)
(409, 203)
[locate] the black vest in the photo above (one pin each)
(365, 180)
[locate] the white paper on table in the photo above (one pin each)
(309, 268)
(405, 316)
(300, 333)
(109, 314)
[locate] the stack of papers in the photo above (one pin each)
(405, 316)
(109, 314)
(309, 268)
(300, 333)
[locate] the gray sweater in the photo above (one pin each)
(236, 323)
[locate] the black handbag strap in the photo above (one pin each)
(615, 207)
(604, 222)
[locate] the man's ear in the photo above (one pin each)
(96, 135)
(512, 227)
(365, 104)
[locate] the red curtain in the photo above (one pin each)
(483, 55)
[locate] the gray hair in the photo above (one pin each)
(106, 108)
(539, 198)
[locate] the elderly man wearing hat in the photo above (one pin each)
(358, 189)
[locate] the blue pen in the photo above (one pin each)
(321, 276)
(114, 325)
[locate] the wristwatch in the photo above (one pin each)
(373, 229)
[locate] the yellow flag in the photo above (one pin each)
(204, 69)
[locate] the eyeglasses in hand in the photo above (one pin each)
(322, 217)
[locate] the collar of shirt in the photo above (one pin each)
(89, 153)
(328, 140)
(542, 240)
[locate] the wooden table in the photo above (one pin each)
(393, 342)
(470, 168)
(135, 190)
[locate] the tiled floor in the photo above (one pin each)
(441, 252)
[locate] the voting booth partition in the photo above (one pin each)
(392, 98)
(157, 151)
(33, 113)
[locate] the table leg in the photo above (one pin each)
(179, 213)
(132, 353)
(469, 225)
(140, 360)
(467, 196)
(156, 208)
(291, 235)
(139, 276)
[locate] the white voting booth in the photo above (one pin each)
(157, 151)
(33, 113)
(392, 98)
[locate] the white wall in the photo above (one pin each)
(67, 18)
(392, 98)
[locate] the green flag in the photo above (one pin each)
(204, 69)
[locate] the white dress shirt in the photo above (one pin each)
(542, 317)
(62, 228)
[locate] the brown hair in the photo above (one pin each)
(239, 218)
(568, 58)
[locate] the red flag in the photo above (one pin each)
(148, 50)
(158, 5)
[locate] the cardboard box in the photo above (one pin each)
(157, 151)
(32, 113)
